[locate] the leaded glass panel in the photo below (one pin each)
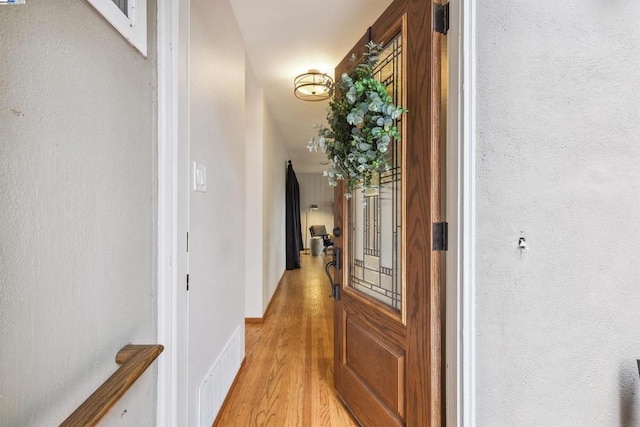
(375, 218)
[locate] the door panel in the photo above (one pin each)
(387, 322)
(386, 377)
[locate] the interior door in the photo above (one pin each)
(387, 318)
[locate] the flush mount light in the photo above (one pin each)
(313, 86)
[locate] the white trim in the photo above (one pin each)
(461, 214)
(468, 310)
(167, 249)
(172, 210)
(132, 27)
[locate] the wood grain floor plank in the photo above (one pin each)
(287, 378)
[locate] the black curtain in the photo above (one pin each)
(294, 232)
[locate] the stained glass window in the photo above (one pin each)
(375, 218)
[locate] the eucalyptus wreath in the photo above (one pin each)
(362, 125)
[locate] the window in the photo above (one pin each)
(129, 17)
(122, 5)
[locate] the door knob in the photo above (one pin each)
(337, 231)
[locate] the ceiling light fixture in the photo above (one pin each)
(313, 86)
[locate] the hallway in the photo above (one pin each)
(287, 378)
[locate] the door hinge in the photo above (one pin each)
(441, 18)
(187, 282)
(440, 236)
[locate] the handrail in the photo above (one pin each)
(134, 360)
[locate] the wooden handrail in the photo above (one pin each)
(134, 360)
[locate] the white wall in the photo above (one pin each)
(315, 189)
(77, 209)
(273, 215)
(265, 201)
(217, 217)
(254, 194)
(558, 326)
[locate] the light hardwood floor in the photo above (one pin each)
(287, 378)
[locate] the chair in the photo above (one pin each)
(321, 231)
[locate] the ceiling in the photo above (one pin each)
(285, 38)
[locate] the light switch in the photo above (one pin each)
(199, 177)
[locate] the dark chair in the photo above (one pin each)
(321, 231)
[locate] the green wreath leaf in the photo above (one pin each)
(361, 126)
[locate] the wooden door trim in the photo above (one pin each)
(397, 334)
(425, 328)
(394, 21)
(370, 301)
(421, 193)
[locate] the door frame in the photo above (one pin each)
(410, 337)
(461, 215)
(172, 45)
(173, 28)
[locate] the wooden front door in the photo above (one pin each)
(387, 320)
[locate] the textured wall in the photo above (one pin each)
(77, 209)
(217, 217)
(558, 122)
